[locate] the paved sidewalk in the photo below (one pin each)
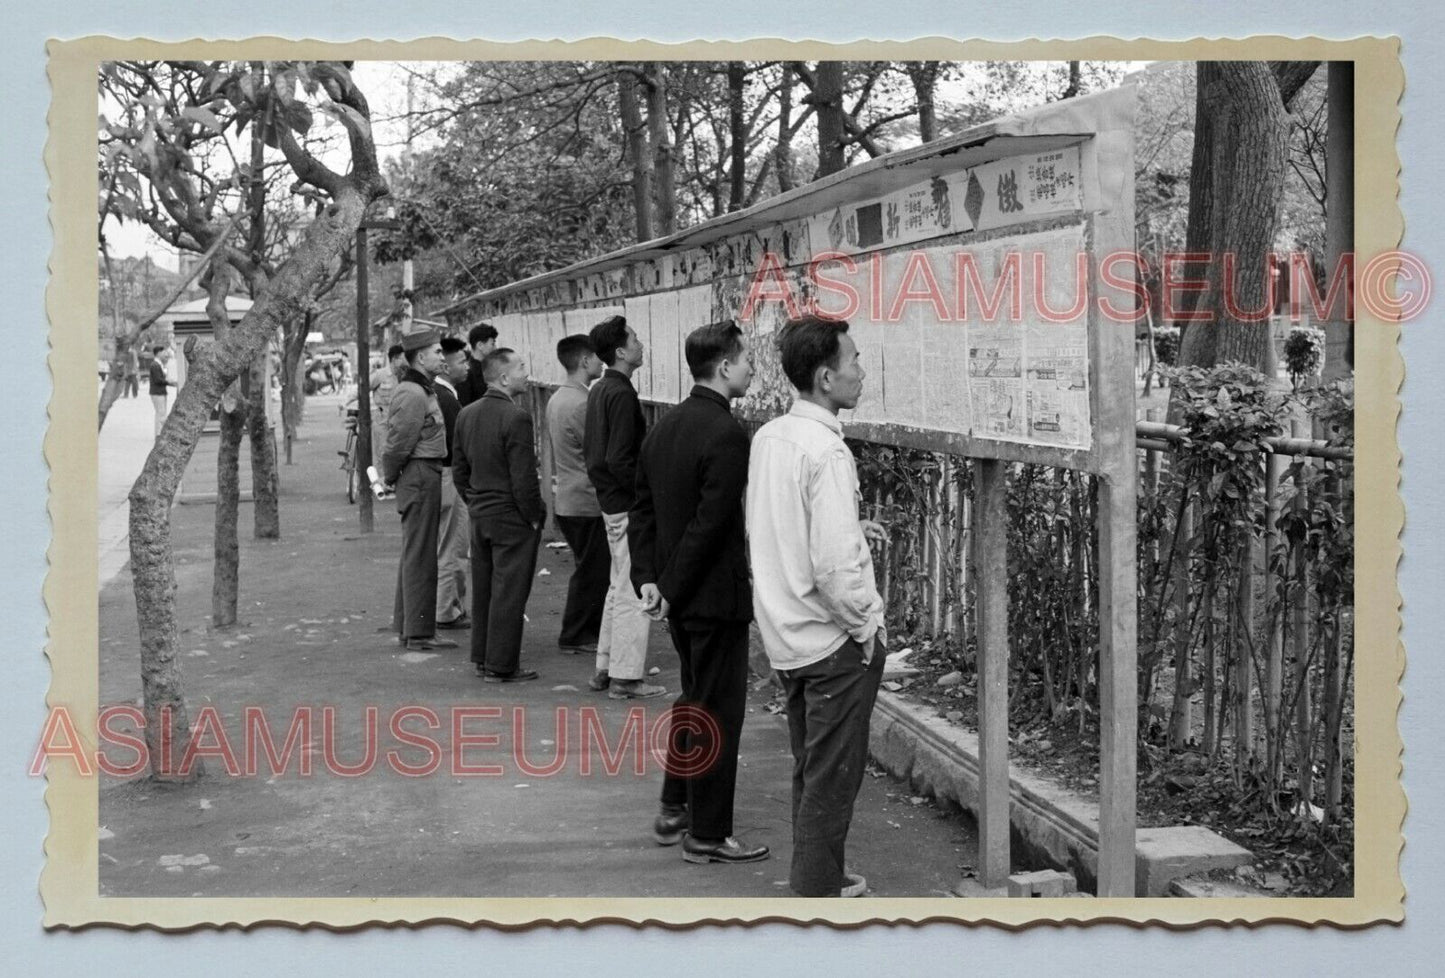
(311, 604)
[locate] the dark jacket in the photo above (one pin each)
(415, 426)
(473, 387)
(685, 532)
(612, 439)
(451, 407)
(494, 459)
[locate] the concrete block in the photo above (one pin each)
(1199, 887)
(972, 889)
(1165, 854)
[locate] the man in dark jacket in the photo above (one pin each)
(416, 450)
(494, 462)
(689, 562)
(481, 340)
(610, 444)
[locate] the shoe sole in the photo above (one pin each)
(670, 839)
(507, 679)
(702, 858)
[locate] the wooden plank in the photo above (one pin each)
(990, 559)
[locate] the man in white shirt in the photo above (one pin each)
(814, 595)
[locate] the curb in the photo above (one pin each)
(1049, 826)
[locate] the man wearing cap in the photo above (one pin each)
(416, 448)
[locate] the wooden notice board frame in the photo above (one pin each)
(717, 255)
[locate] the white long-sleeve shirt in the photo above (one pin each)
(813, 584)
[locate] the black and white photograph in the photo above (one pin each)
(828, 488)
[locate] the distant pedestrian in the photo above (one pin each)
(481, 340)
(690, 564)
(416, 447)
(453, 526)
(160, 385)
(495, 466)
(131, 379)
(610, 443)
(574, 507)
(817, 604)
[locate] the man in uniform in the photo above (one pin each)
(416, 449)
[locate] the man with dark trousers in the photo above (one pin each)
(815, 597)
(416, 449)
(690, 566)
(481, 340)
(574, 505)
(494, 463)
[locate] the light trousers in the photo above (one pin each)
(622, 642)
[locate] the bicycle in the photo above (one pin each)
(348, 457)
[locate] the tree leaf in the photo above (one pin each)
(205, 117)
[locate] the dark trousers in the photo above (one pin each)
(714, 659)
(587, 589)
(419, 501)
(829, 705)
(504, 558)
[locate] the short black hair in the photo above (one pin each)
(707, 346)
(807, 343)
(395, 350)
(572, 350)
(453, 344)
(494, 364)
(156, 350)
(480, 333)
(607, 336)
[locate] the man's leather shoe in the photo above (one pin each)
(589, 649)
(520, 676)
(728, 850)
(599, 681)
(428, 644)
(459, 622)
(634, 689)
(670, 824)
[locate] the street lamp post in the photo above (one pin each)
(363, 373)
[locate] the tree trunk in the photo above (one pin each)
(660, 134)
(1236, 183)
(828, 99)
(152, 559)
(293, 403)
(924, 74)
(636, 150)
(265, 482)
(1075, 82)
(226, 571)
(738, 133)
(783, 152)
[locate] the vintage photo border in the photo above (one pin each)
(69, 881)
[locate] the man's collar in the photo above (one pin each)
(708, 394)
(613, 372)
(807, 409)
(446, 382)
(493, 391)
(418, 378)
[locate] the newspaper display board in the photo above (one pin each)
(970, 282)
